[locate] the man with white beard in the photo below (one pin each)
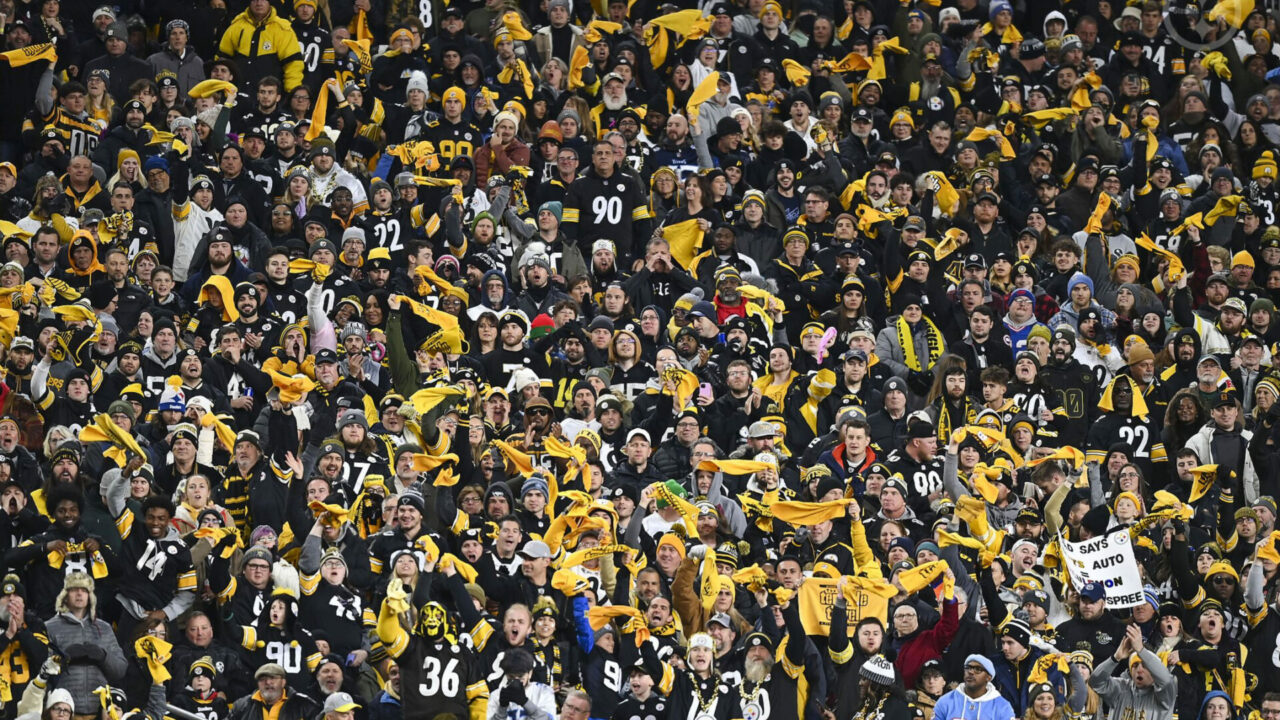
(934, 92)
(719, 106)
(771, 690)
(613, 100)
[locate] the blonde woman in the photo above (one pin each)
(193, 497)
(297, 189)
(98, 102)
(129, 170)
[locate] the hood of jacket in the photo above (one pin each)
(1216, 694)
(79, 239)
(220, 285)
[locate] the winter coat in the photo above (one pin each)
(1202, 444)
(81, 677)
(926, 645)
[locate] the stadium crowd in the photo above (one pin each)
(634, 360)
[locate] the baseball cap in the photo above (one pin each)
(1092, 591)
(722, 618)
(534, 550)
(340, 702)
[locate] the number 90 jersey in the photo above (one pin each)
(923, 479)
(440, 678)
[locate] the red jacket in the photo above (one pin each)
(927, 645)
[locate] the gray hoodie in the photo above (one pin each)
(1125, 700)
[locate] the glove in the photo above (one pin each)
(56, 205)
(76, 652)
(52, 667)
(517, 694)
(920, 381)
(698, 552)
(95, 653)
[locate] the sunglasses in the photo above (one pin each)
(538, 411)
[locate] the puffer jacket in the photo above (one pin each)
(262, 48)
(81, 677)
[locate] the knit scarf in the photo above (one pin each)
(945, 422)
(936, 345)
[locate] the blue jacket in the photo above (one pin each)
(385, 707)
(1166, 148)
(955, 705)
(1011, 679)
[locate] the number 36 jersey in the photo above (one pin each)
(440, 678)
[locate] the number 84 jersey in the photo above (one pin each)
(441, 678)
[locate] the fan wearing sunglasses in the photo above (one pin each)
(539, 424)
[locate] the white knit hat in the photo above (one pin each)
(417, 81)
(878, 670)
(60, 696)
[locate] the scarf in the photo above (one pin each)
(97, 561)
(806, 513)
(936, 345)
(30, 54)
(156, 653)
(946, 422)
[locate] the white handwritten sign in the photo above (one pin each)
(1109, 560)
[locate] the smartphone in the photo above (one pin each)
(704, 390)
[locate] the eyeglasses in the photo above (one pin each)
(974, 669)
